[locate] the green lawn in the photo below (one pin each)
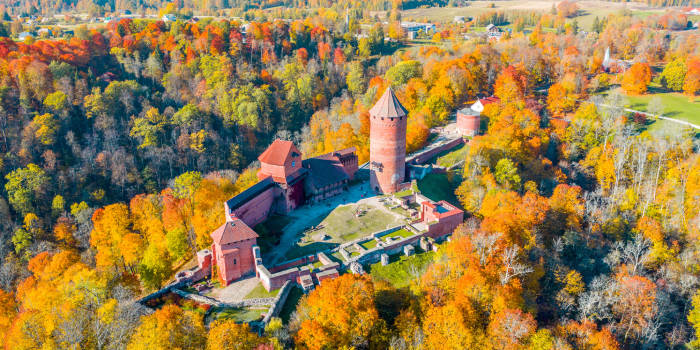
(398, 233)
(337, 257)
(453, 156)
(342, 226)
(400, 270)
(371, 244)
(403, 193)
(238, 314)
(260, 292)
(438, 187)
(676, 105)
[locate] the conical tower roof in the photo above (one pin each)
(388, 106)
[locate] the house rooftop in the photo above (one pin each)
(325, 170)
(232, 232)
(488, 100)
(278, 152)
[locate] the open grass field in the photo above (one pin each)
(676, 105)
(370, 244)
(342, 224)
(589, 10)
(402, 269)
(403, 233)
(260, 292)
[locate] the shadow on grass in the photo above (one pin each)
(298, 251)
(290, 305)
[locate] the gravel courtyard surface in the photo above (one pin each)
(235, 291)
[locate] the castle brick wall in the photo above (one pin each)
(257, 209)
(292, 263)
(426, 156)
(446, 225)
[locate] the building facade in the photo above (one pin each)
(232, 251)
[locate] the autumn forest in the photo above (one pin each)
(120, 141)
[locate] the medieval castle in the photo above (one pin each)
(286, 181)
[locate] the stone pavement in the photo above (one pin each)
(235, 291)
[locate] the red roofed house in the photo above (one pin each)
(233, 250)
(479, 105)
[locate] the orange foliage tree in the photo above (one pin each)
(636, 79)
(340, 313)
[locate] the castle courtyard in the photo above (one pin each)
(315, 227)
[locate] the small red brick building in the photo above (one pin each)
(232, 250)
(441, 218)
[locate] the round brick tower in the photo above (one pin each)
(387, 143)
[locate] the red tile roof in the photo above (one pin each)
(278, 152)
(232, 232)
(388, 106)
(489, 100)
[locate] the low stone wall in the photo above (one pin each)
(278, 302)
(272, 281)
(385, 232)
(163, 291)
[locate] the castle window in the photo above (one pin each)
(234, 261)
(294, 163)
(392, 119)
